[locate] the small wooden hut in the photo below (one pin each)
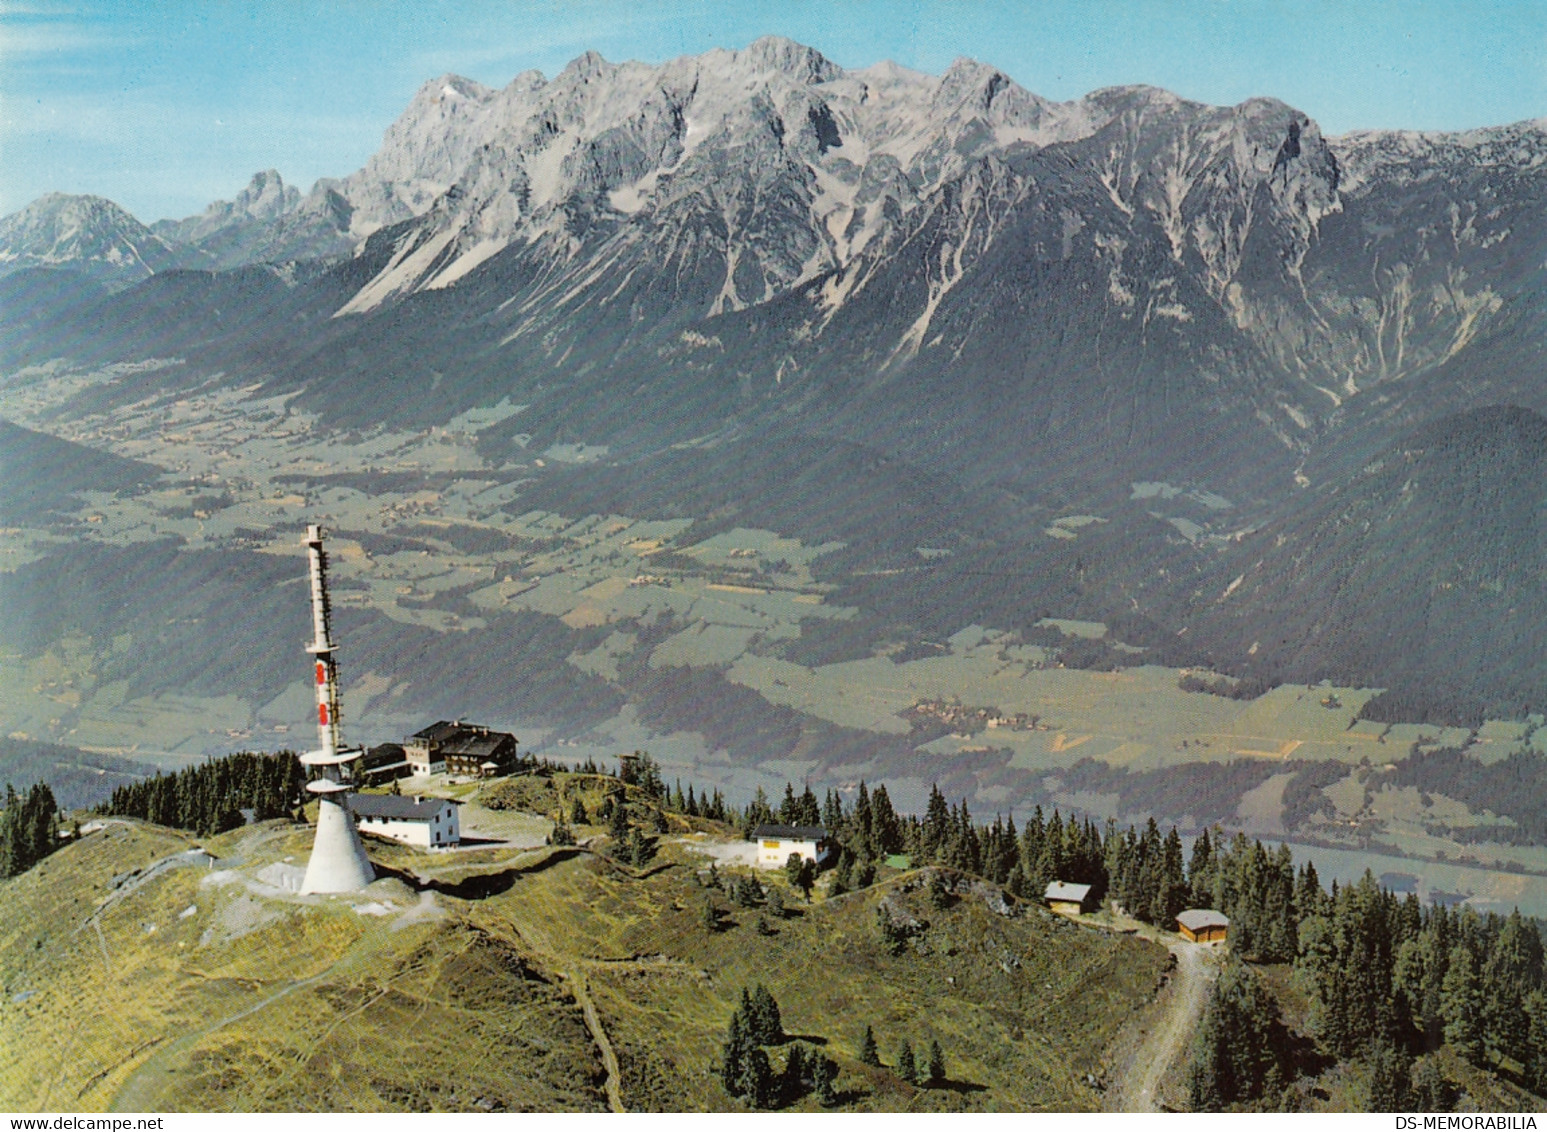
(1203, 925)
(1067, 899)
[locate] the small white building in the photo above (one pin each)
(430, 823)
(775, 843)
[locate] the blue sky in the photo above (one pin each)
(164, 106)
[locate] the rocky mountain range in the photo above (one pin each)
(1026, 304)
(85, 234)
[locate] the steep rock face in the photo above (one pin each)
(1087, 287)
(1209, 280)
(772, 161)
(421, 154)
(1434, 268)
(266, 198)
(87, 234)
(267, 222)
(1125, 285)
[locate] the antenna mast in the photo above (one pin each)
(322, 647)
(338, 862)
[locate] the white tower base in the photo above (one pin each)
(338, 862)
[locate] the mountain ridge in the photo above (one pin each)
(1020, 306)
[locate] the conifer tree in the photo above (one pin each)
(640, 849)
(1017, 883)
(869, 1053)
(1390, 1078)
(733, 1054)
(832, 811)
(1200, 872)
(757, 1081)
(801, 872)
(617, 820)
(39, 821)
(1173, 892)
(936, 827)
(757, 812)
(747, 1018)
(1462, 1005)
(789, 813)
(939, 895)
(906, 1069)
(1431, 1091)
(885, 828)
(1309, 897)
(807, 810)
(764, 1023)
(824, 1072)
(13, 855)
(936, 1063)
(1535, 1007)
(28, 828)
(1511, 970)
(860, 834)
(792, 1084)
(1232, 1057)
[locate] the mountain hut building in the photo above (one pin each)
(470, 749)
(429, 823)
(1203, 925)
(1067, 899)
(775, 843)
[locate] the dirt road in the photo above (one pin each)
(1158, 1053)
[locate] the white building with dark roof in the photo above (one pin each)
(775, 843)
(430, 823)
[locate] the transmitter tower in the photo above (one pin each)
(338, 862)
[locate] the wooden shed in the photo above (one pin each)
(1068, 899)
(1203, 925)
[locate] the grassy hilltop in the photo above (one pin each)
(141, 972)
